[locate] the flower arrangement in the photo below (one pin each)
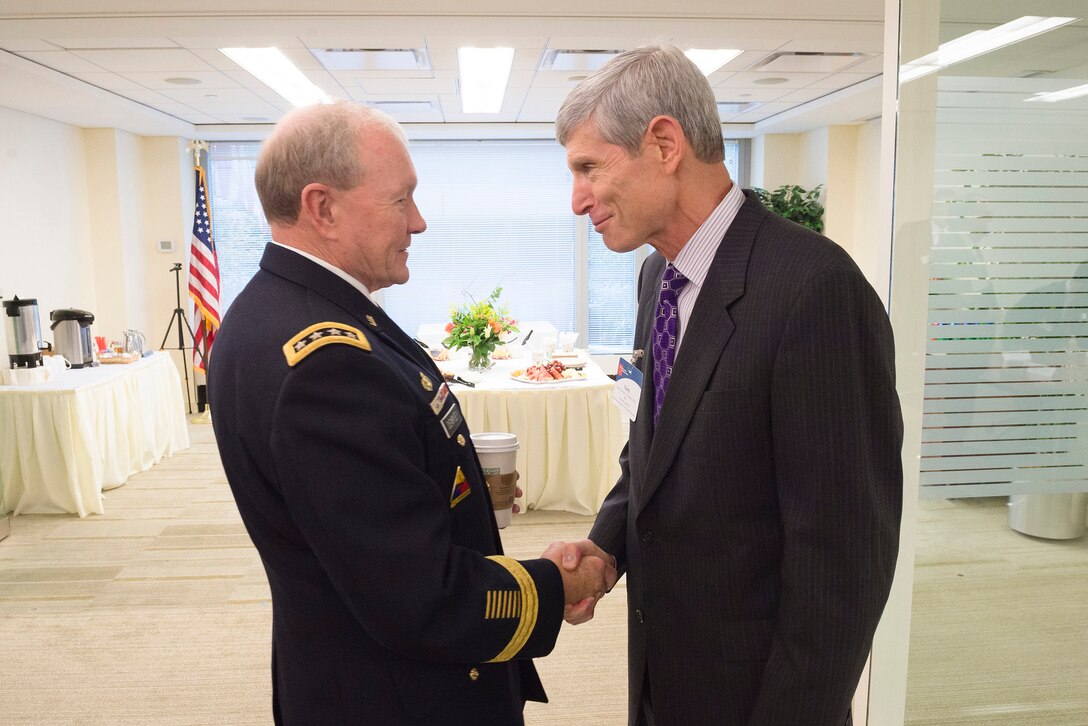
(479, 326)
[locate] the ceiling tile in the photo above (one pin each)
(160, 60)
(108, 81)
(18, 45)
(62, 61)
(401, 86)
(841, 80)
(100, 42)
(157, 79)
(750, 79)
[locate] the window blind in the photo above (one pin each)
(498, 214)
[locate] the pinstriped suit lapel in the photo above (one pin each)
(642, 428)
(709, 330)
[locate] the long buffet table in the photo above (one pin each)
(62, 442)
(570, 434)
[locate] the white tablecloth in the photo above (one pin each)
(62, 442)
(570, 434)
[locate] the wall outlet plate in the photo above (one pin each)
(165, 245)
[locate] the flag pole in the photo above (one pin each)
(197, 146)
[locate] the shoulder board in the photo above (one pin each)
(320, 335)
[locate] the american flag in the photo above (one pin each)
(203, 277)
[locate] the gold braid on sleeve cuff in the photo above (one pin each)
(529, 606)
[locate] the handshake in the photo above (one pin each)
(588, 573)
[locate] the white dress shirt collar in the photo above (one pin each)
(331, 268)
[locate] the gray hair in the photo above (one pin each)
(625, 94)
(314, 144)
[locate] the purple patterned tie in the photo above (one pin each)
(666, 327)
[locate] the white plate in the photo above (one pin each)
(515, 375)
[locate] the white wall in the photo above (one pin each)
(45, 250)
(846, 160)
(83, 210)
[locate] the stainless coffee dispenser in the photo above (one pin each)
(23, 330)
(72, 336)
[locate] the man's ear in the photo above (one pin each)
(318, 205)
(666, 141)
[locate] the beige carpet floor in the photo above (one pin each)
(158, 613)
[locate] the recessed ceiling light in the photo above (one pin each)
(182, 81)
(483, 73)
(372, 59)
(576, 60)
(272, 68)
(772, 81)
(710, 60)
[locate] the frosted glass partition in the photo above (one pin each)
(1007, 346)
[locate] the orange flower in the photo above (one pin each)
(495, 325)
(449, 327)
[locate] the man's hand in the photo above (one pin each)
(572, 558)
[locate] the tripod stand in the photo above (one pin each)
(178, 316)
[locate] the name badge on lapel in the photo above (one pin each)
(451, 420)
(628, 388)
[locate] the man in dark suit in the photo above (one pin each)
(757, 513)
(352, 466)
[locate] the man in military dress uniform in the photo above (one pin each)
(352, 465)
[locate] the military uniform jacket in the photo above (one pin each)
(356, 478)
(759, 521)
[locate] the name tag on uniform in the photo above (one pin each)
(451, 420)
(628, 388)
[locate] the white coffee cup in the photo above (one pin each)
(498, 452)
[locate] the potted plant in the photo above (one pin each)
(796, 204)
(479, 326)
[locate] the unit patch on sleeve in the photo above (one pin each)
(318, 336)
(461, 488)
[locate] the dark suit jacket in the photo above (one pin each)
(759, 524)
(347, 467)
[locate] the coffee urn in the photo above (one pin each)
(72, 336)
(23, 331)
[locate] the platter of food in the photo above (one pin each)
(554, 372)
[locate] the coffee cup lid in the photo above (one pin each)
(495, 441)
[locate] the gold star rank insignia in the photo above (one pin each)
(425, 382)
(318, 336)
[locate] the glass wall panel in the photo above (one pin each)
(990, 304)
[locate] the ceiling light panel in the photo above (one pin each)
(483, 74)
(372, 59)
(272, 68)
(710, 59)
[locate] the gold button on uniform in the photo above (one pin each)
(474, 674)
(461, 439)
